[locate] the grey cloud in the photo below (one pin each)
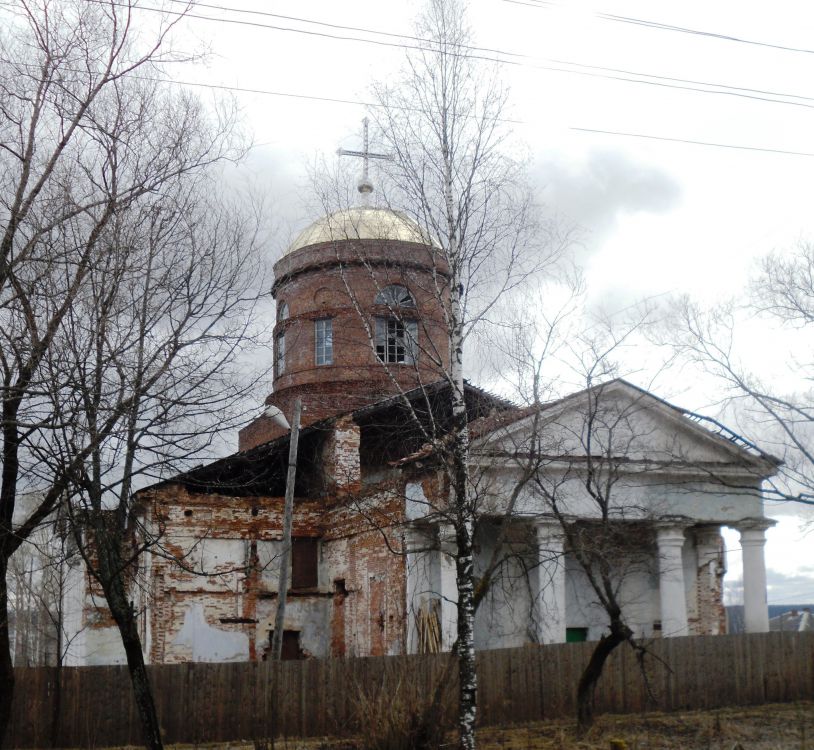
(596, 190)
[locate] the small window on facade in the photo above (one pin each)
(304, 563)
(324, 341)
(395, 296)
(396, 340)
(279, 355)
(291, 646)
(282, 311)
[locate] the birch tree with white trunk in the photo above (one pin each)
(454, 174)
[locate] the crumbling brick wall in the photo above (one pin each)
(220, 555)
(710, 613)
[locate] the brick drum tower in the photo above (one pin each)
(360, 316)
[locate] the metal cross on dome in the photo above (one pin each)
(365, 186)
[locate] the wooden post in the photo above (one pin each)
(282, 588)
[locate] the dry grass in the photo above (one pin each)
(786, 726)
(774, 727)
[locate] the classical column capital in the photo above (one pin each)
(753, 530)
(670, 535)
(548, 529)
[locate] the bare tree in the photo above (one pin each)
(585, 447)
(453, 175)
(93, 147)
(616, 467)
(769, 397)
(612, 539)
(150, 371)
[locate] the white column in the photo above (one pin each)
(74, 596)
(672, 594)
(753, 540)
(447, 587)
(550, 584)
(418, 582)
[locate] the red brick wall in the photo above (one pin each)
(314, 283)
(363, 582)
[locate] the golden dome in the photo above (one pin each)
(363, 223)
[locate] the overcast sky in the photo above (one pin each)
(658, 216)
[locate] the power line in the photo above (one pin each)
(299, 19)
(699, 32)
(607, 73)
(695, 143)
(671, 27)
(356, 102)
(516, 122)
(374, 105)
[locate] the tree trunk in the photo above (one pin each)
(586, 690)
(57, 706)
(464, 523)
(124, 616)
(467, 677)
(6, 668)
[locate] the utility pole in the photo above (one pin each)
(288, 516)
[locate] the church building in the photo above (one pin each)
(360, 338)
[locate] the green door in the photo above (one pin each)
(576, 635)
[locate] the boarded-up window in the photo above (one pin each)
(304, 563)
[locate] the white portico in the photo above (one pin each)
(670, 485)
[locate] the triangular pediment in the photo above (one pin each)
(617, 419)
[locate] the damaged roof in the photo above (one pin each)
(391, 428)
(398, 430)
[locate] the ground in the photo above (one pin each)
(773, 727)
(788, 726)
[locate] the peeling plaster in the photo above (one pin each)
(209, 643)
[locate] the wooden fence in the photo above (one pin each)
(221, 702)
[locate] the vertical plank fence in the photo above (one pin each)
(200, 702)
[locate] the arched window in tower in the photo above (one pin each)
(282, 311)
(394, 296)
(396, 336)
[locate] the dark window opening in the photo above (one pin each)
(291, 646)
(304, 563)
(187, 513)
